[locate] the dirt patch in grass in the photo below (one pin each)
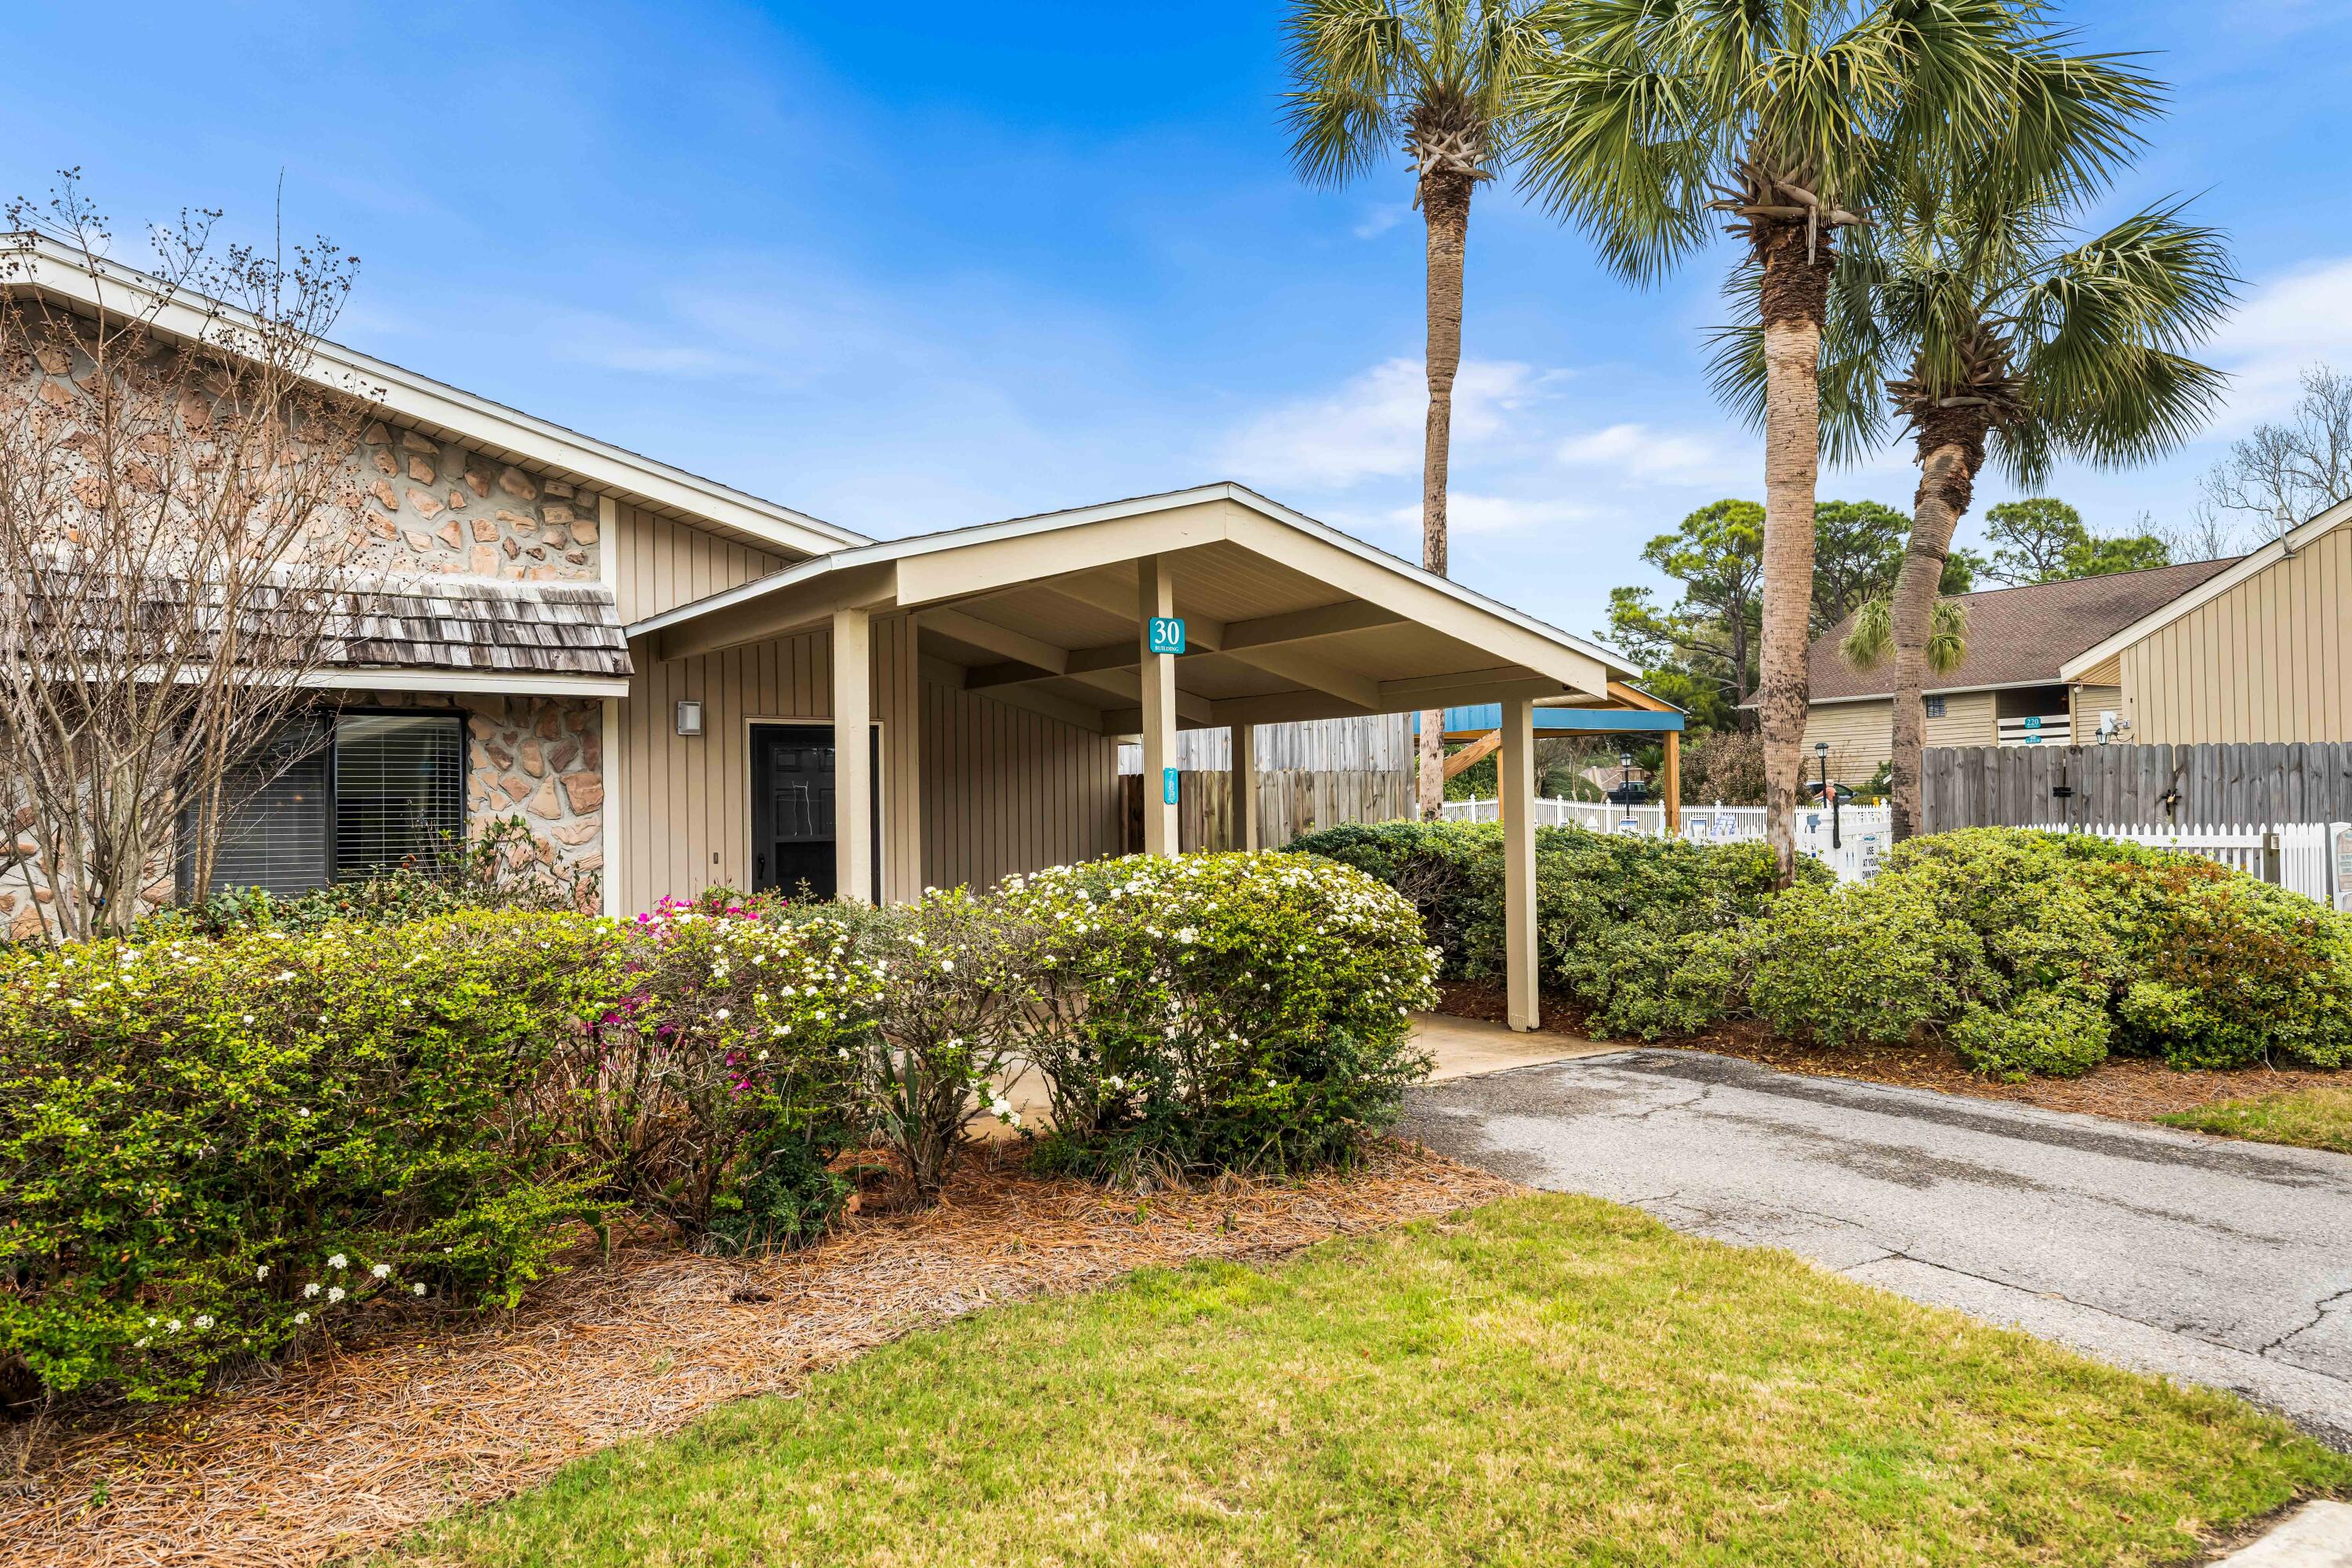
(360, 1443)
(2135, 1089)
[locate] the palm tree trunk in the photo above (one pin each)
(1794, 297)
(1951, 448)
(1446, 207)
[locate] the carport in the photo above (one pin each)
(1212, 607)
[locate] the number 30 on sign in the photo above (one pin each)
(1167, 635)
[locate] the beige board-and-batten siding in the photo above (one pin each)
(997, 789)
(2266, 660)
(1862, 734)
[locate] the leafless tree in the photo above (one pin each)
(2283, 474)
(176, 506)
(2204, 537)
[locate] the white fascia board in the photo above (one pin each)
(410, 398)
(507, 683)
(2205, 593)
(1047, 522)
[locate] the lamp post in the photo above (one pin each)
(1625, 784)
(1822, 749)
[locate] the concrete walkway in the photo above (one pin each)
(1470, 1048)
(2216, 1262)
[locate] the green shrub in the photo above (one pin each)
(2062, 1033)
(1613, 912)
(947, 1025)
(1228, 1011)
(1872, 961)
(2038, 953)
(730, 1060)
(209, 1148)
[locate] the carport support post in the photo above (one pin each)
(1246, 834)
(1672, 795)
(853, 755)
(1516, 788)
(1156, 595)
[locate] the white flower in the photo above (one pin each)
(339, 1261)
(310, 1289)
(172, 1327)
(380, 1269)
(417, 1288)
(336, 1294)
(724, 1012)
(204, 1321)
(139, 1344)
(262, 1273)
(302, 1318)
(946, 965)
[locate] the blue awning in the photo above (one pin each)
(1483, 717)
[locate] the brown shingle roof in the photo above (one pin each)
(2017, 637)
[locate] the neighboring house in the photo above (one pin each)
(2258, 651)
(641, 663)
(2023, 681)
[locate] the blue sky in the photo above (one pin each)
(916, 265)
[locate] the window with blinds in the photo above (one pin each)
(275, 817)
(400, 791)
(342, 801)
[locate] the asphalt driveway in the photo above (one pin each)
(2217, 1262)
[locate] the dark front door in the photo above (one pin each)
(792, 809)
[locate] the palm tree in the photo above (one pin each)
(1439, 81)
(1649, 120)
(2017, 347)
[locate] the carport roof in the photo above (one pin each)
(1286, 617)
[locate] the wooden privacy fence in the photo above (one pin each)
(1290, 801)
(2138, 785)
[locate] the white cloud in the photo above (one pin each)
(1494, 514)
(1372, 426)
(1379, 218)
(1639, 455)
(2300, 319)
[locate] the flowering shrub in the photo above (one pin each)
(728, 1064)
(954, 973)
(1243, 1011)
(208, 1148)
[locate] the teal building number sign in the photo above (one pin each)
(1167, 633)
(1168, 786)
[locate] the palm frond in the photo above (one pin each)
(1345, 57)
(1870, 641)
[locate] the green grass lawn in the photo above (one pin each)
(1546, 1380)
(2317, 1118)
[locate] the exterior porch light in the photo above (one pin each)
(689, 718)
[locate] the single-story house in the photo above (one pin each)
(651, 668)
(2259, 650)
(2024, 680)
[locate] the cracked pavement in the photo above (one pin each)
(2210, 1262)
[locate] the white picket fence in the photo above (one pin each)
(1862, 832)
(2308, 856)
(2314, 858)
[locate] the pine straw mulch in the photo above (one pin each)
(2133, 1089)
(357, 1445)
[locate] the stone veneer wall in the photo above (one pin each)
(435, 506)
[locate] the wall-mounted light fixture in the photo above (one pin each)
(689, 718)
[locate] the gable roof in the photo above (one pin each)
(438, 409)
(1286, 618)
(2237, 570)
(894, 550)
(2020, 636)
